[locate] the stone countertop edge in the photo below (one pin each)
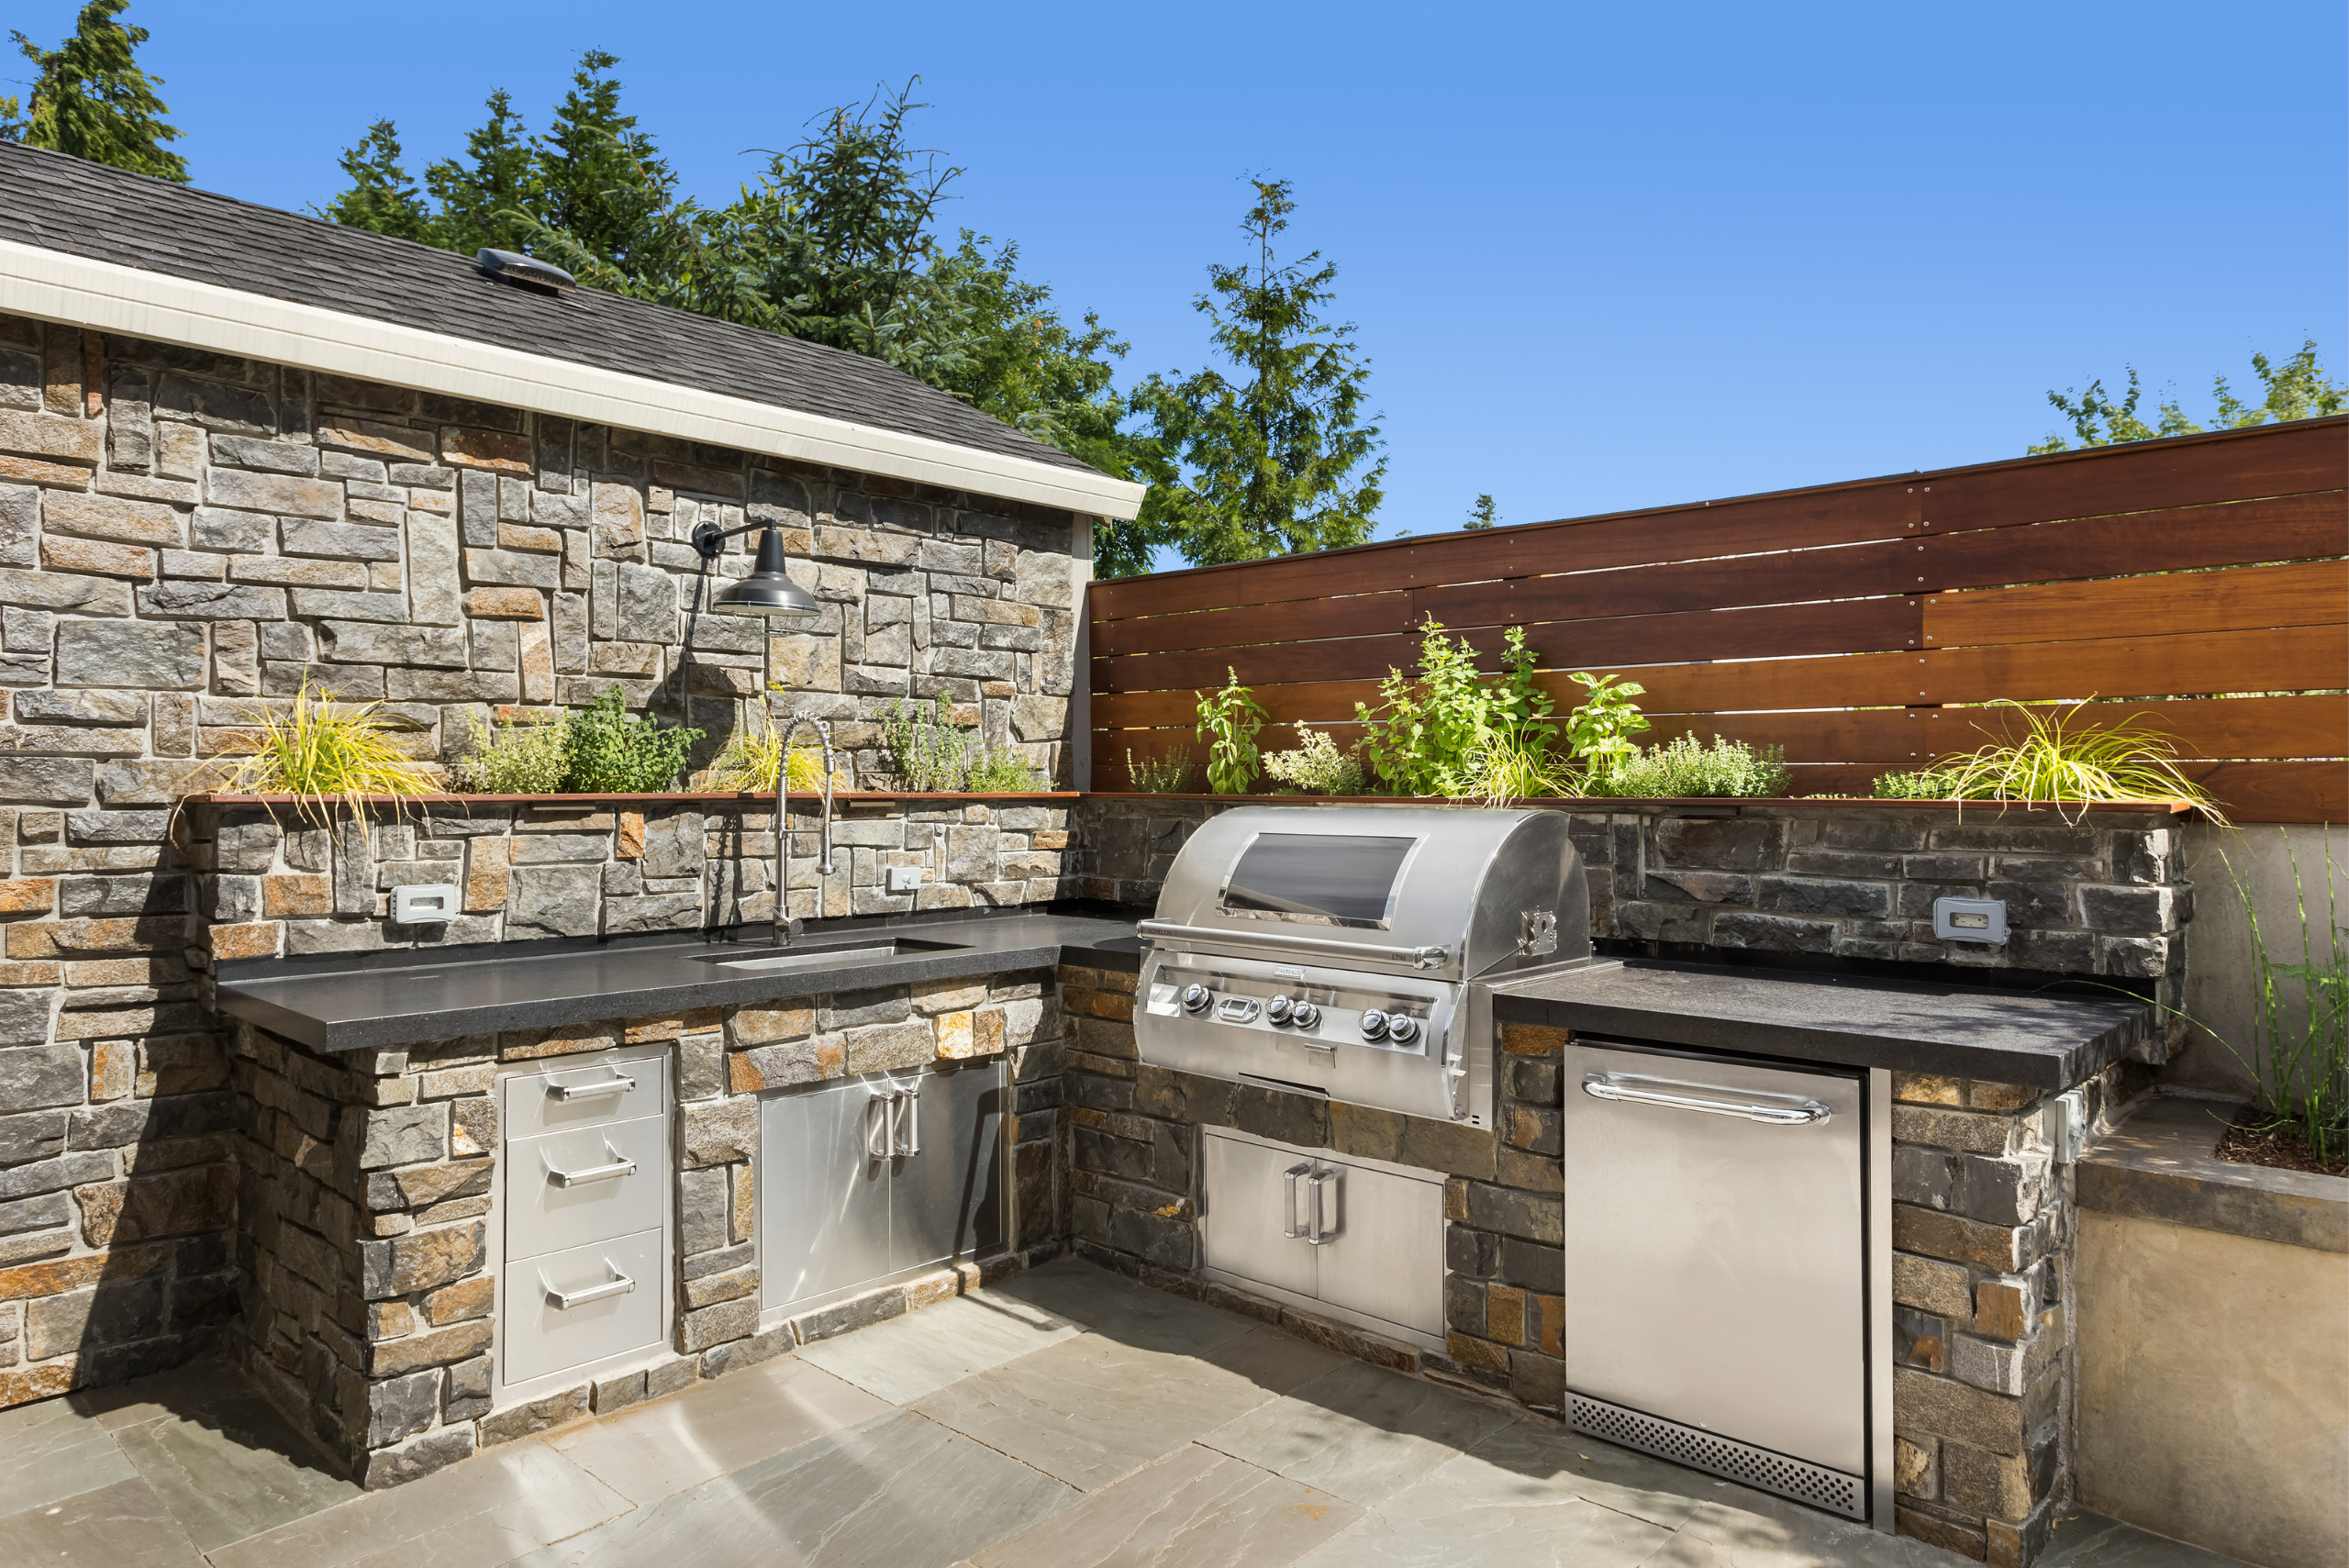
(2162, 1164)
(357, 1009)
(2041, 1043)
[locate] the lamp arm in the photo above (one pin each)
(709, 539)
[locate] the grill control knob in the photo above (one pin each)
(1373, 1025)
(1401, 1028)
(1305, 1014)
(1277, 1009)
(1195, 999)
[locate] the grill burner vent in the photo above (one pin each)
(1755, 1467)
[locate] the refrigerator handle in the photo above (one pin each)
(1288, 1218)
(1787, 1111)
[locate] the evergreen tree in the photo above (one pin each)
(91, 99)
(381, 197)
(485, 200)
(1272, 462)
(1483, 514)
(2296, 390)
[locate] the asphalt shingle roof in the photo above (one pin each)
(62, 202)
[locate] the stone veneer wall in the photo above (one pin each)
(184, 534)
(367, 1282)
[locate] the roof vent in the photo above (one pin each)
(515, 267)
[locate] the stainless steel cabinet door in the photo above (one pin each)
(823, 1191)
(946, 1198)
(1715, 1265)
(1385, 1254)
(1250, 1194)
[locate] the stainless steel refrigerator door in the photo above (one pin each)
(1716, 1264)
(1253, 1205)
(946, 1200)
(823, 1191)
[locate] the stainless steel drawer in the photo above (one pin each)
(566, 1189)
(569, 1309)
(589, 1095)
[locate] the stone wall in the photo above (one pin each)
(2105, 896)
(184, 536)
(365, 1267)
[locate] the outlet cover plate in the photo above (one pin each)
(900, 879)
(1970, 920)
(435, 905)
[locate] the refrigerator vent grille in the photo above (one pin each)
(1756, 1467)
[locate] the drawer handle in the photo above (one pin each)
(1288, 1227)
(1787, 1112)
(1315, 1235)
(565, 1300)
(617, 1083)
(622, 1165)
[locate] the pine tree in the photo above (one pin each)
(485, 200)
(381, 197)
(91, 99)
(1269, 463)
(1483, 514)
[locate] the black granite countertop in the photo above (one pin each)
(383, 1000)
(1965, 1031)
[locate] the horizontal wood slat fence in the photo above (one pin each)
(2204, 579)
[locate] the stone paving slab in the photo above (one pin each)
(2091, 1540)
(917, 1354)
(1359, 1432)
(232, 1468)
(1193, 1508)
(51, 1451)
(1113, 1306)
(123, 1525)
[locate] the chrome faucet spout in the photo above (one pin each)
(783, 923)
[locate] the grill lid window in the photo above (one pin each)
(1340, 879)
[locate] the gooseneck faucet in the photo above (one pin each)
(784, 926)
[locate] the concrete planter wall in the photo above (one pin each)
(2214, 1367)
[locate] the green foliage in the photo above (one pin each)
(1167, 774)
(2296, 390)
(932, 752)
(1271, 460)
(1925, 784)
(1315, 766)
(1483, 514)
(516, 757)
(1430, 728)
(91, 99)
(1688, 769)
(1598, 731)
(605, 752)
(381, 196)
(1228, 723)
(1512, 767)
(2053, 761)
(2299, 1046)
(753, 753)
(1000, 772)
(323, 753)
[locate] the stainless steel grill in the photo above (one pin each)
(1348, 951)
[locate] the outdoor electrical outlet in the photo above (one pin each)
(900, 879)
(1970, 920)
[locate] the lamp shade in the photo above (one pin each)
(766, 591)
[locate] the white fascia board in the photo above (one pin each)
(56, 286)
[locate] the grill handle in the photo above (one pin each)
(1322, 946)
(1786, 1112)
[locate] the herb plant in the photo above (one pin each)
(1687, 768)
(1167, 774)
(1598, 731)
(515, 756)
(2056, 763)
(932, 753)
(322, 751)
(1435, 732)
(748, 761)
(1000, 772)
(1228, 723)
(607, 753)
(1315, 766)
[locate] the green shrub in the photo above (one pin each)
(1315, 766)
(605, 752)
(1000, 772)
(932, 753)
(515, 757)
(1430, 727)
(1169, 774)
(1687, 768)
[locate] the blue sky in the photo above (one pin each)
(1600, 257)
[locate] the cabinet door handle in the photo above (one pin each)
(1317, 1235)
(1787, 1111)
(565, 1300)
(622, 1165)
(617, 1083)
(886, 1104)
(911, 1100)
(1288, 1219)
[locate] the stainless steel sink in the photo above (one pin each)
(759, 961)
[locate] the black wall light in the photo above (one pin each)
(767, 591)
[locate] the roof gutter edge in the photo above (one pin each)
(58, 287)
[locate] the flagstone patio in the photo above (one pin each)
(1064, 1418)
